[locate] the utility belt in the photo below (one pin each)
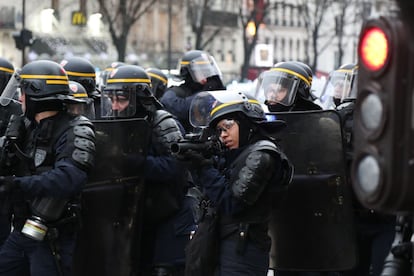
(242, 232)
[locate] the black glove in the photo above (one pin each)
(7, 184)
(194, 160)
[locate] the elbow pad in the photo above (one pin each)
(81, 141)
(165, 131)
(254, 176)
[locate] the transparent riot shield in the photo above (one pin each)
(111, 218)
(312, 225)
(9, 102)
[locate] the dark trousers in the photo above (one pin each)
(374, 240)
(163, 244)
(23, 256)
(5, 227)
(254, 261)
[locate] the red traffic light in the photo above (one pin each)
(374, 48)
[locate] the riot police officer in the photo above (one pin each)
(82, 71)
(293, 80)
(240, 192)
(168, 220)
(56, 152)
(8, 107)
(199, 72)
(374, 231)
(159, 81)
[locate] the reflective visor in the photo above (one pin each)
(205, 105)
(118, 103)
(277, 87)
(341, 85)
(203, 67)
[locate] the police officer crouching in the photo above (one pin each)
(53, 153)
(240, 192)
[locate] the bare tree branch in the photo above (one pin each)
(121, 15)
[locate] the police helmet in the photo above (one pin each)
(125, 86)
(82, 71)
(307, 69)
(283, 84)
(108, 69)
(208, 107)
(197, 66)
(80, 104)
(45, 85)
(6, 71)
(159, 81)
(341, 86)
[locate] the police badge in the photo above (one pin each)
(40, 156)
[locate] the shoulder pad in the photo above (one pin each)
(81, 120)
(287, 166)
(160, 115)
(265, 145)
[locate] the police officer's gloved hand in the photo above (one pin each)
(195, 160)
(7, 184)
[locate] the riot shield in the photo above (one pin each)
(312, 221)
(111, 218)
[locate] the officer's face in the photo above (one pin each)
(275, 93)
(228, 131)
(119, 103)
(22, 99)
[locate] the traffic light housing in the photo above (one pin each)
(383, 166)
(23, 39)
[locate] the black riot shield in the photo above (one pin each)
(312, 225)
(111, 218)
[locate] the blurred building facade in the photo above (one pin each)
(62, 28)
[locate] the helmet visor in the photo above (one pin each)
(338, 88)
(203, 67)
(118, 103)
(12, 90)
(83, 107)
(205, 105)
(276, 87)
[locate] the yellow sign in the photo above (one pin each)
(78, 18)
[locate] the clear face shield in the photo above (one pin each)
(12, 91)
(202, 68)
(118, 103)
(209, 102)
(83, 107)
(275, 87)
(341, 85)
